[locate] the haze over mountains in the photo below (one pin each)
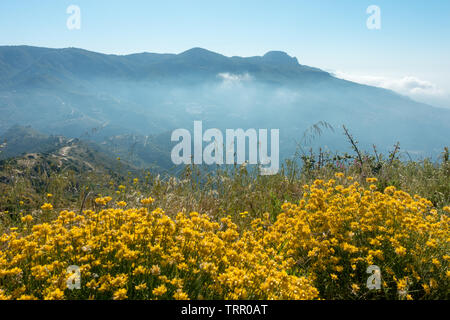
(121, 100)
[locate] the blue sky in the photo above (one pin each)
(410, 53)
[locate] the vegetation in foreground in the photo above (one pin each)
(309, 232)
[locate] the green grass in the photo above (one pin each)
(220, 192)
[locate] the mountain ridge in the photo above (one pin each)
(71, 91)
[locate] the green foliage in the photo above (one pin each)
(218, 193)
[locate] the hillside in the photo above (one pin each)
(78, 93)
(32, 164)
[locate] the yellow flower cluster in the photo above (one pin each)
(145, 255)
(47, 207)
(121, 203)
(103, 200)
(336, 231)
(147, 201)
(318, 247)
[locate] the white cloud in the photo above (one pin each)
(407, 85)
(231, 77)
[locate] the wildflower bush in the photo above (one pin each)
(337, 231)
(318, 246)
(142, 254)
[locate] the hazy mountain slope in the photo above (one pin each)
(60, 151)
(74, 92)
(134, 151)
(18, 140)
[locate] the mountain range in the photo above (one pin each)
(136, 100)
